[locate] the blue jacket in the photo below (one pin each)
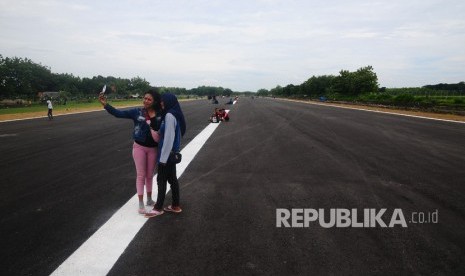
(141, 128)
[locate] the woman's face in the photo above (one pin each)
(148, 101)
(162, 105)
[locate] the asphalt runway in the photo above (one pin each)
(62, 180)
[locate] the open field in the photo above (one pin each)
(37, 111)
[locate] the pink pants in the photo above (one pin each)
(145, 160)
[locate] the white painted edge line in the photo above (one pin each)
(100, 252)
(385, 112)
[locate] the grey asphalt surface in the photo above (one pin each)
(61, 180)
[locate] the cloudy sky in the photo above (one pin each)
(242, 45)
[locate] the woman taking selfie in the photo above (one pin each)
(147, 121)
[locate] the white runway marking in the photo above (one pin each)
(101, 251)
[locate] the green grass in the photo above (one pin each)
(37, 107)
(408, 100)
(72, 105)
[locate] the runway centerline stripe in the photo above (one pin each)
(99, 253)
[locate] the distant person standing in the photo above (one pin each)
(147, 121)
(172, 128)
(50, 110)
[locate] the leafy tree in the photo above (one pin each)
(277, 91)
(138, 85)
(67, 82)
(23, 78)
(227, 92)
(344, 83)
(448, 87)
(263, 92)
(174, 90)
(207, 91)
(316, 86)
(364, 80)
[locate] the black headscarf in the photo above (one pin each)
(171, 105)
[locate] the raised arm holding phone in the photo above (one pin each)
(147, 121)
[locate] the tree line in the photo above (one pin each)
(460, 87)
(351, 85)
(23, 78)
(364, 80)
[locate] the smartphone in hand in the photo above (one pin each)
(103, 90)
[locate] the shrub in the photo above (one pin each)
(404, 100)
(459, 101)
(426, 102)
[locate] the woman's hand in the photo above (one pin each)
(102, 99)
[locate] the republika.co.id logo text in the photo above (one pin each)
(343, 218)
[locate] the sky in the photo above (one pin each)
(242, 45)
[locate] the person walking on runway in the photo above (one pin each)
(147, 121)
(172, 128)
(50, 109)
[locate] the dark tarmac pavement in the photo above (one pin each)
(61, 180)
